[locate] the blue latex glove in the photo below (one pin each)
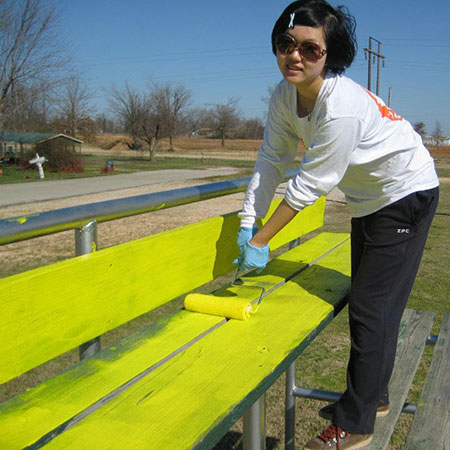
(252, 258)
(244, 235)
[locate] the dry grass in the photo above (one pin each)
(187, 145)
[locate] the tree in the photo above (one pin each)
(30, 54)
(270, 90)
(131, 107)
(437, 133)
(197, 118)
(28, 109)
(167, 105)
(224, 118)
(266, 98)
(73, 109)
(105, 124)
(419, 127)
(250, 129)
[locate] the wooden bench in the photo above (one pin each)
(183, 381)
(430, 428)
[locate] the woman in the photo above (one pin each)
(375, 157)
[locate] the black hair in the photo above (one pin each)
(338, 25)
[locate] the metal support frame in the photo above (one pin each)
(293, 391)
(289, 416)
(86, 242)
(332, 397)
(255, 426)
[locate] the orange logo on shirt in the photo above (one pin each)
(384, 110)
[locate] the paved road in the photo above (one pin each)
(18, 193)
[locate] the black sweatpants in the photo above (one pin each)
(386, 250)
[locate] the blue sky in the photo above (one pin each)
(221, 49)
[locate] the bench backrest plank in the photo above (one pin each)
(52, 309)
(181, 401)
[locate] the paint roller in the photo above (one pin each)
(229, 307)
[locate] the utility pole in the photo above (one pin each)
(370, 55)
(390, 97)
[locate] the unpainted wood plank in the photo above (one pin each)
(37, 412)
(193, 400)
(50, 310)
(415, 327)
(430, 428)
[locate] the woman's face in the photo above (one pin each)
(295, 68)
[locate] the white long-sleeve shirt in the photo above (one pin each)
(353, 140)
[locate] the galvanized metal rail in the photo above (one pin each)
(34, 225)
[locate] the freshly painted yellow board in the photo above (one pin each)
(52, 309)
(26, 418)
(176, 406)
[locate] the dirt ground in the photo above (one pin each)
(25, 255)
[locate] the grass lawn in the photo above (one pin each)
(122, 164)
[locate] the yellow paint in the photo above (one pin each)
(38, 411)
(52, 309)
(174, 407)
(229, 307)
(22, 220)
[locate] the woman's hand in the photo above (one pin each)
(252, 257)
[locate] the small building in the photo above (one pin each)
(14, 143)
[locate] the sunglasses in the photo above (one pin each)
(310, 51)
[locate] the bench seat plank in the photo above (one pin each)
(63, 305)
(26, 418)
(415, 327)
(430, 428)
(192, 401)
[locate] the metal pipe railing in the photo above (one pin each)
(27, 227)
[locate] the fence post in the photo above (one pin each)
(86, 242)
(255, 426)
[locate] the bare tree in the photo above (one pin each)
(74, 108)
(250, 129)
(167, 105)
(437, 133)
(28, 109)
(270, 90)
(30, 53)
(131, 107)
(197, 118)
(224, 118)
(420, 128)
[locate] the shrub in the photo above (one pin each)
(59, 159)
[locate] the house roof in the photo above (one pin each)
(34, 138)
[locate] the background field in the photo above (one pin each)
(322, 365)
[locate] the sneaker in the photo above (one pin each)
(335, 438)
(327, 412)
